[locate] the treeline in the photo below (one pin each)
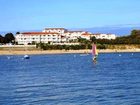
(46, 46)
(133, 38)
(8, 38)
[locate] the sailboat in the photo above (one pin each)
(94, 52)
(26, 56)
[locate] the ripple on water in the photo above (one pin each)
(70, 79)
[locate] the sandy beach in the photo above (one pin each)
(6, 52)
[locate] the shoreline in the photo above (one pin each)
(38, 52)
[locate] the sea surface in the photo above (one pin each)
(70, 79)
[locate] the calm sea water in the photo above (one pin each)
(70, 79)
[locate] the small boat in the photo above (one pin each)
(94, 52)
(120, 55)
(26, 57)
(8, 57)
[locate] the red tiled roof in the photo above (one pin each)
(86, 34)
(102, 33)
(97, 34)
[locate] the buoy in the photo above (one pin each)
(120, 55)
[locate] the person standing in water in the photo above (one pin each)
(94, 52)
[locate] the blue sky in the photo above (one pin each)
(18, 15)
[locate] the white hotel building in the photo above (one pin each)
(104, 36)
(57, 35)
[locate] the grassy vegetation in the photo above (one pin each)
(131, 41)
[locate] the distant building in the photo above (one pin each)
(37, 37)
(73, 35)
(57, 35)
(57, 30)
(86, 35)
(104, 36)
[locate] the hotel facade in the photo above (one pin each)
(57, 35)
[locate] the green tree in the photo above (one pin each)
(93, 39)
(1, 39)
(9, 38)
(17, 32)
(133, 32)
